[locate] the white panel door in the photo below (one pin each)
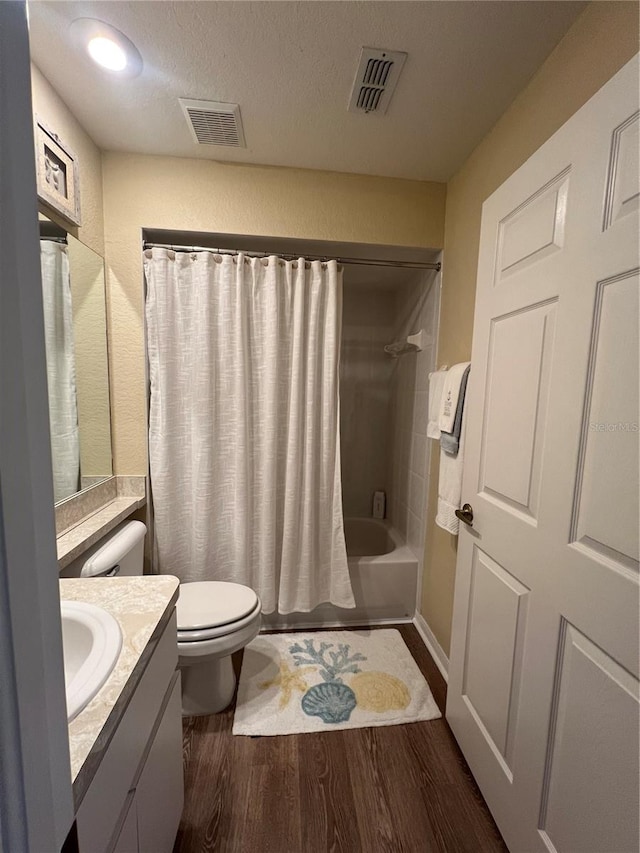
(543, 690)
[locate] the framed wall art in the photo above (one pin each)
(57, 170)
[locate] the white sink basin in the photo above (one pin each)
(91, 640)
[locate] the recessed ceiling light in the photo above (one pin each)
(107, 46)
(107, 53)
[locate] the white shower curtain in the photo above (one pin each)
(61, 368)
(243, 426)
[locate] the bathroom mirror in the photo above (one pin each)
(77, 369)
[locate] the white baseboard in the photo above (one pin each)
(435, 649)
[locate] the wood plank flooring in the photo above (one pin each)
(391, 789)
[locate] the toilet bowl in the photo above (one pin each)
(215, 619)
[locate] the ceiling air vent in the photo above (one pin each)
(212, 123)
(376, 78)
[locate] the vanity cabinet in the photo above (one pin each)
(160, 794)
(135, 799)
(127, 840)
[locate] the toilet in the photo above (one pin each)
(215, 619)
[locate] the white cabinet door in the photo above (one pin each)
(160, 789)
(127, 841)
(543, 690)
(105, 800)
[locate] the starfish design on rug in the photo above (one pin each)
(288, 680)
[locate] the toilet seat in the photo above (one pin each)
(214, 620)
(208, 609)
(186, 636)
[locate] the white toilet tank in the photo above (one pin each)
(119, 553)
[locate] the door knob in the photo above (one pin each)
(466, 514)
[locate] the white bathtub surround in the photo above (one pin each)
(417, 306)
(245, 474)
(370, 537)
(327, 681)
(384, 400)
(61, 368)
(365, 393)
(384, 573)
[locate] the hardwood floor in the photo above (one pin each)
(391, 789)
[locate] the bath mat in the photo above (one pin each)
(329, 680)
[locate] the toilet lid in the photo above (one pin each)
(207, 604)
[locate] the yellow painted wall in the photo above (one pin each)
(195, 195)
(601, 41)
(50, 107)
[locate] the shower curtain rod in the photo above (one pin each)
(414, 265)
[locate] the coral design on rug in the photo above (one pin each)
(330, 670)
(332, 701)
(288, 680)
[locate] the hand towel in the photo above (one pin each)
(436, 385)
(450, 441)
(450, 485)
(450, 394)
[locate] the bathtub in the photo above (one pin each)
(384, 577)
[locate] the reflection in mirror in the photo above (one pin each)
(77, 369)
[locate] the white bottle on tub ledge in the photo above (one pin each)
(379, 502)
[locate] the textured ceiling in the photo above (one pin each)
(290, 66)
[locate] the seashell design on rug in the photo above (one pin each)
(331, 701)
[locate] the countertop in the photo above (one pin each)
(79, 538)
(142, 606)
